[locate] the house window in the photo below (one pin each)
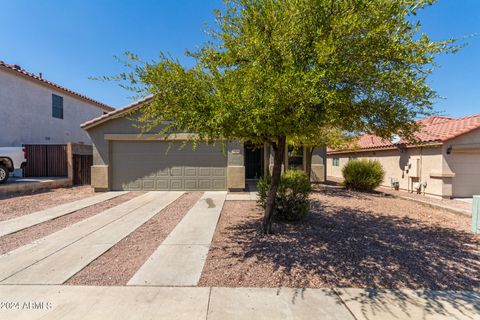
(57, 106)
(336, 162)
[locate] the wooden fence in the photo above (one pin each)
(52, 160)
(46, 160)
(82, 164)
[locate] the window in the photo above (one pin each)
(57, 106)
(336, 162)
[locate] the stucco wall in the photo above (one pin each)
(464, 161)
(394, 162)
(26, 113)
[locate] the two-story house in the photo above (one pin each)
(34, 110)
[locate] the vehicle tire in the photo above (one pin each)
(3, 174)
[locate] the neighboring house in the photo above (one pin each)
(125, 159)
(445, 162)
(37, 111)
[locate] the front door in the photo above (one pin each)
(253, 161)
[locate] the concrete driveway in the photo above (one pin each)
(165, 286)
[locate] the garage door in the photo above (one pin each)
(165, 166)
(466, 167)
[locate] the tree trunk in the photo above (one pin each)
(278, 157)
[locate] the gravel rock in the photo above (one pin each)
(22, 237)
(119, 264)
(350, 239)
(19, 204)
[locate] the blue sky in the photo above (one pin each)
(70, 41)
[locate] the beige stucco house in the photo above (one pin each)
(35, 110)
(445, 162)
(126, 159)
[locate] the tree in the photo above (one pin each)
(291, 68)
(329, 136)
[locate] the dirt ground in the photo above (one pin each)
(350, 239)
(19, 204)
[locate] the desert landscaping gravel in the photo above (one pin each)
(22, 237)
(119, 264)
(19, 204)
(350, 239)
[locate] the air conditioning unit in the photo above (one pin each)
(394, 183)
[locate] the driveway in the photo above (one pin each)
(59, 256)
(157, 244)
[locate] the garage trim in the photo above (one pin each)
(151, 137)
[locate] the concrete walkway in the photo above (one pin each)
(242, 196)
(55, 258)
(79, 302)
(22, 222)
(179, 260)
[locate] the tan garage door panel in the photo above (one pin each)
(467, 174)
(163, 166)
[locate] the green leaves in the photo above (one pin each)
(295, 67)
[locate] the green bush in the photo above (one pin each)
(363, 175)
(291, 203)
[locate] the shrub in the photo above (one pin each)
(291, 203)
(363, 175)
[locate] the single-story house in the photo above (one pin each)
(126, 159)
(443, 162)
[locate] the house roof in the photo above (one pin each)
(17, 70)
(433, 130)
(115, 113)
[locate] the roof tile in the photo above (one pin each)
(434, 129)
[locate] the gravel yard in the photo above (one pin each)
(350, 239)
(22, 237)
(19, 204)
(119, 264)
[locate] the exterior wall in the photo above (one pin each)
(26, 107)
(236, 165)
(430, 160)
(101, 148)
(462, 158)
(319, 169)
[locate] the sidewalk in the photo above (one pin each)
(79, 302)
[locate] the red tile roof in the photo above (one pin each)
(19, 71)
(434, 130)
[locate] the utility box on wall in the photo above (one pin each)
(414, 168)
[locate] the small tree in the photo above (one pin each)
(278, 69)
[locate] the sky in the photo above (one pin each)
(71, 41)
